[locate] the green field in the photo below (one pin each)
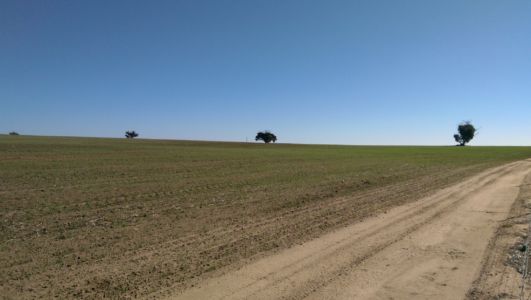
(87, 217)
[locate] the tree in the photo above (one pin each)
(265, 136)
(131, 134)
(13, 133)
(466, 132)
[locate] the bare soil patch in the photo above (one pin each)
(504, 265)
(429, 249)
(93, 218)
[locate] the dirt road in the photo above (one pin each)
(428, 249)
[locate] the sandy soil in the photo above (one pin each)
(429, 249)
(504, 264)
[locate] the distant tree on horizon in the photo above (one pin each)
(466, 132)
(13, 133)
(265, 136)
(131, 134)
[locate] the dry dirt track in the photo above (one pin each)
(428, 249)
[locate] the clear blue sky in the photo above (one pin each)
(346, 72)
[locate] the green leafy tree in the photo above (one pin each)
(466, 132)
(13, 133)
(131, 134)
(265, 136)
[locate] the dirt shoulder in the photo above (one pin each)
(432, 248)
(503, 265)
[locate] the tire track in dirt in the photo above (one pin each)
(429, 248)
(503, 264)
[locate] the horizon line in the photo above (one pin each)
(252, 141)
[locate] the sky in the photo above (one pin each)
(334, 72)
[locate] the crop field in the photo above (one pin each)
(88, 218)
